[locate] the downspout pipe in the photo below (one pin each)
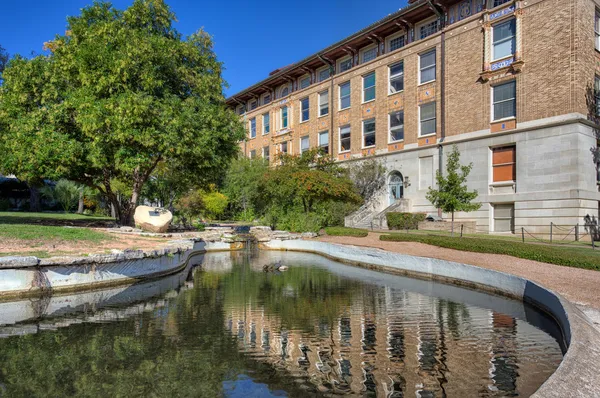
(331, 74)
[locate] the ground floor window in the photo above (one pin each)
(504, 217)
(266, 153)
(324, 142)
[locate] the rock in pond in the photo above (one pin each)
(152, 219)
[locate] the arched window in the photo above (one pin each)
(284, 92)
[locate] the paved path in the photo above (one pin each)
(580, 286)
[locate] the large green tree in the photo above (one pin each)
(3, 59)
(119, 93)
(452, 194)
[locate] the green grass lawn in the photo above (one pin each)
(570, 256)
(345, 231)
(14, 217)
(45, 233)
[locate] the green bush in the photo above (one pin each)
(4, 204)
(344, 231)
(567, 256)
(404, 220)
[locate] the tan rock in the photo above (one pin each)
(152, 219)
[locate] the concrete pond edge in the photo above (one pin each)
(576, 376)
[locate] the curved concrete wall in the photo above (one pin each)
(577, 375)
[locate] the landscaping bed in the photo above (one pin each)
(345, 231)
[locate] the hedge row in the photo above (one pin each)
(404, 220)
(345, 231)
(567, 256)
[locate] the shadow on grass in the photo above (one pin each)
(56, 219)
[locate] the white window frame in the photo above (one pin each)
(263, 153)
(364, 89)
(302, 119)
(342, 60)
(388, 41)
(513, 37)
(281, 88)
(597, 28)
(281, 117)
(321, 133)
(424, 24)
(434, 66)
(434, 118)
(320, 104)
(492, 103)
(395, 76)
(362, 143)
(240, 109)
(264, 130)
(264, 96)
(366, 49)
(250, 104)
(390, 141)
(250, 154)
(322, 69)
(303, 78)
(340, 150)
(251, 129)
(340, 95)
(300, 146)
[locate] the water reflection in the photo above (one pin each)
(321, 328)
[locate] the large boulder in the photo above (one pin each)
(152, 219)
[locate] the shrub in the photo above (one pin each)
(404, 220)
(344, 231)
(64, 192)
(567, 256)
(215, 204)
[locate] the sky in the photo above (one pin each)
(252, 38)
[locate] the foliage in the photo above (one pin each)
(64, 192)
(345, 231)
(452, 194)
(190, 206)
(404, 220)
(243, 182)
(570, 257)
(368, 176)
(3, 59)
(215, 204)
(120, 92)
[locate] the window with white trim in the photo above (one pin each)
(304, 82)
(496, 3)
(345, 64)
(304, 109)
(597, 94)
(266, 153)
(345, 138)
(324, 74)
(323, 103)
(396, 43)
(253, 105)
(503, 39)
(396, 77)
(396, 126)
(240, 109)
(266, 99)
(253, 127)
(429, 29)
(253, 154)
(597, 28)
(324, 141)
(427, 67)
(368, 131)
(368, 55)
(285, 91)
(283, 147)
(369, 87)
(345, 95)
(304, 144)
(504, 101)
(284, 117)
(427, 119)
(266, 121)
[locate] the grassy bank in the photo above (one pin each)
(40, 233)
(344, 231)
(577, 257)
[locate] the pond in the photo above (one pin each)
(223, 327)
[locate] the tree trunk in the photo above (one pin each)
(34, 197)
(452, 226)
(80, 206)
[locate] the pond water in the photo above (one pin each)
(223, 327)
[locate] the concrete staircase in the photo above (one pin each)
(370, 217)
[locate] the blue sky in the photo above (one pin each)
(252, 38)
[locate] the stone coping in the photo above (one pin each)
(576, 376)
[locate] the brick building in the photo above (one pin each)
(511, 83)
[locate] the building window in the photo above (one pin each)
(369, 87)
(504, 101)
(253, 127)
(266, 153)
(345, 138)
(429, 29)
(369, 55)
(324, 74)
(266, 99)
(503, 39)
(396, 126)
(323, 103)
(396, 77)
(266, 123)
(597, 94)
(597, 29)
(427, 67)
(284, 117)
(504, 217)
(324, 142)
(368, 133)
(504, 161)
(427, 119)
(304, 144)
(396, 43)
(253, 154)
(304, 109)
(496, 3)
(345, 64)
(283, 147)
(284, 92)
(240, 109)
(305, 82)
(344, 95)
(253, 105)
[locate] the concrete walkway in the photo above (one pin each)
(579, 286)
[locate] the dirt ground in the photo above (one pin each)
(580, 286)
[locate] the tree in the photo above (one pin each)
(452, 194)
(65, 192)
(119, 93)
(243, 187)
(368, 176)
(3, 59)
